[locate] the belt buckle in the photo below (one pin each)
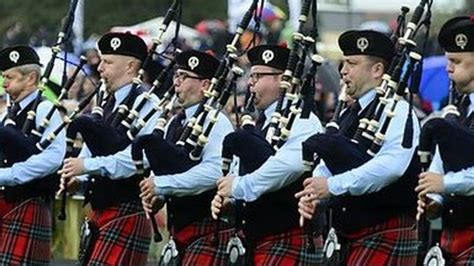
(434, 257)
(331, 245)
(170, 253)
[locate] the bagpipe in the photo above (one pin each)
(453, 138)
(342, 153)
(19, 142)
(452, 135)
(62, 37)
(166, 157)
(101, 137)
(295, 106)
(428, 142)
(108, 137)
(293, 87)
(370, 123)
(105, 136)
(243, 143)
(298, 92)
(17, 146)
(333, 127)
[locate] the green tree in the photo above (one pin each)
(100, 15)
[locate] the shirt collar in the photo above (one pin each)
(28, 99)
(190, 111)
(270, 109)
(121, 93)
(365, 99)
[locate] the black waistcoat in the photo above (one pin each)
(44, 186)
(102, 191)
(351, 213)
(184, 210)
(458, 211)
(274, 212)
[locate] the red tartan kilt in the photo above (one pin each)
(459, 245)
(25, 232)
(207, 251)
(124, 236)
(289, 248)
(194, 231)
(197, 246)
(394, 242)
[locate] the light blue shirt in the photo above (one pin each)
(281, 169)
(456, 183)
(203, 176)
(119, 165)
(386, 166)
(43, 163)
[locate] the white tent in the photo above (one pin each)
(45, 54)
(149, 29)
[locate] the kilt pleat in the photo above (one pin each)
(465, 258)
(207, 250)
(25, 232)
(394, 242)
(458, 244)
(124, 236)
(194, 231)
(289, 248)
(198, 245)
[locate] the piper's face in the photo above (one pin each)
(360, 74)
(264, 82)
(115, 69)
(189, 87)
(460, 69)
(15, 83)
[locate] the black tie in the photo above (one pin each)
(349, 117)
(464, 106)
(469, 121)
(13, 111)
(260, 121)
(109, 106)
(176, 127)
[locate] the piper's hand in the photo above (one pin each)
(69, 184)
(147, 189)
(306, 208)
(153, 206)
(218, 205)
(314, 188)
(224, 186)
(72, 167)
(430, 182)
(420, 209)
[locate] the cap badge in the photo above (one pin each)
(362, 44)
(193, 62)
(115, 43)
(461, 40)
(14, 56)
(267, 56)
